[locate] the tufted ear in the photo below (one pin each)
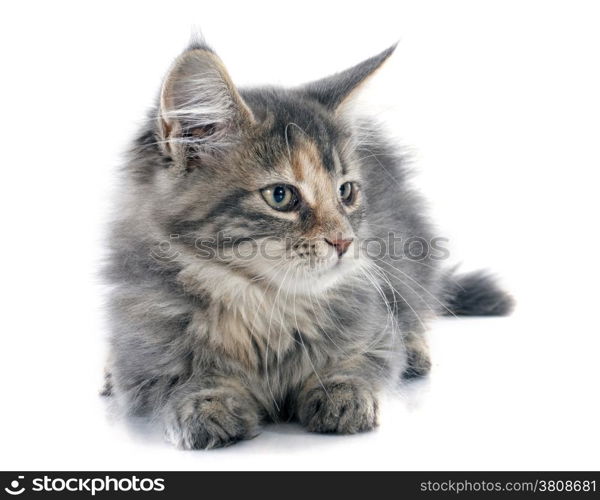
(200, 110)
(333, 90)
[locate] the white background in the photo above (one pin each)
(499, 102)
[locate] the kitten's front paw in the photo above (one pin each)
(418, 362)
(344, 407)
(210, 418)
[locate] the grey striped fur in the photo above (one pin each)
(212, 346)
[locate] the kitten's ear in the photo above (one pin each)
(200, 111)
(332, 91)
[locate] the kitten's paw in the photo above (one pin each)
(210, 418)
(107, 387)
(418, 362)
(344, 407)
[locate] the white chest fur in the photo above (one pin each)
(246, 320)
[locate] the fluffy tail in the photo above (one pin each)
(477, 294)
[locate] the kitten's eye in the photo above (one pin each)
(281, 197)
(347, 192)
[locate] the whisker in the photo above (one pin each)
(269, 336)
(316, 299)
(417, 283)
(304, 345)
(417, 316)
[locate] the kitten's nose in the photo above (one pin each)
(340, 244)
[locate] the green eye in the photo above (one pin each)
(280, 197)
(347, 192)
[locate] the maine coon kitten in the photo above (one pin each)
(246, 283)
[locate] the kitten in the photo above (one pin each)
(245, 283)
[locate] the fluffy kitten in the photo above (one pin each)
(251, 260)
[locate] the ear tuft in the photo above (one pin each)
(200, 109)
(333, 90)
(197, 42)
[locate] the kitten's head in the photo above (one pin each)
(264, 182)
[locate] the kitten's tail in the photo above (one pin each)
(476, 294)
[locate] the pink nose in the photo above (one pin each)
(340, 245)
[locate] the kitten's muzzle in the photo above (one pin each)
(340, 244)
